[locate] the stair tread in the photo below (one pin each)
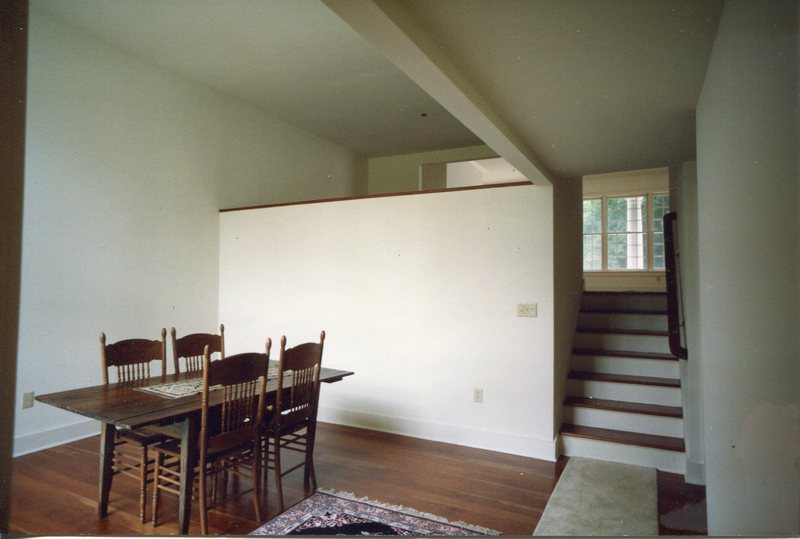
(625, 379)
(623, 331)
(624, 293)
(668, 443)
(622, 353)
(625, 406)
(620, 310)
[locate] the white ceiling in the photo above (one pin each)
(586, 86)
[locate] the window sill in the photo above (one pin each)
(624, 272)
(634, 280)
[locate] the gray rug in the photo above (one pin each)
(593, 497)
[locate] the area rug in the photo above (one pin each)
(593, 497)
(328, 512)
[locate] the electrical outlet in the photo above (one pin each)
(27, 399)
(477, 395)
(527, 309)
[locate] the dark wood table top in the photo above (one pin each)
(126, 407)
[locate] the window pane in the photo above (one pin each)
(617, 251)
(592, 251)
(658, 250)
(592, 216)
(617, 214)
(660, 208)
(627, 241)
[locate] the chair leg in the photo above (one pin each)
(143, 484)
(309, 474)
(203, 501)
(256, 475)
(278, 478)
(156, 474)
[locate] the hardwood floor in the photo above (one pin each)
(54, 491)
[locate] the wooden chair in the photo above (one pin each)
(132, 359)
(230, 431)
(294, 415)
(190, 348)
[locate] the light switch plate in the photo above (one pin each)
(27, 399)
(526, 309)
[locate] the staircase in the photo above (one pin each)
(623, 399)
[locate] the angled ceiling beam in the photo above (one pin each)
(389, 27)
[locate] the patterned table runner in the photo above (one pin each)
(184, 388)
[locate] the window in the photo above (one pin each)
(592, 234)
(624, 233)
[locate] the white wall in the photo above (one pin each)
(568, 276)
(263, 160)
(747, 188)
(418, 296)
(463, 174)
(400, 173)
(126, 169)
(683, 199)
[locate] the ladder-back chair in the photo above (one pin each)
(132, 359)
(190, 348)
(294, 419)
(230, 432)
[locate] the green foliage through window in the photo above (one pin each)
(619, 233)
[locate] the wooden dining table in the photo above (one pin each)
(125, 406)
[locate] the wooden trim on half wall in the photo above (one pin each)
(381, 195)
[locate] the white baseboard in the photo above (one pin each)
(479, 439)
(668, 461)
(53, 437)
(493, 441)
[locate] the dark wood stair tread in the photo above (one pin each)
(623, 293)
(624, 406)
(625, 379)
(624, 437)
(620, 331)
(622, 353)
(620, 310)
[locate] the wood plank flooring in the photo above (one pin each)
(54, 491)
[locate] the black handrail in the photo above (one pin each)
(674, 318)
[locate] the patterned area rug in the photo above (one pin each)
(337, 513)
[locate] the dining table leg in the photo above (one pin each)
(107, 435)
(190, 430)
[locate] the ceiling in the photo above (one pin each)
(580, 86)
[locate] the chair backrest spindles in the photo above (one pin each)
(243, 379)
(191, 347)
(299, 401)
(133, 357)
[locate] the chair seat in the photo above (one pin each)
(173, 449)
(143, 436)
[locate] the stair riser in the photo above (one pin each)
(667, 396)
(612, 341)
(625, 301)
(610, 419)
(667, 461)
(623, 365)
(653, 322)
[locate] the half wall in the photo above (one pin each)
(418, 295)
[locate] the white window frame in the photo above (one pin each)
(604, 232)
